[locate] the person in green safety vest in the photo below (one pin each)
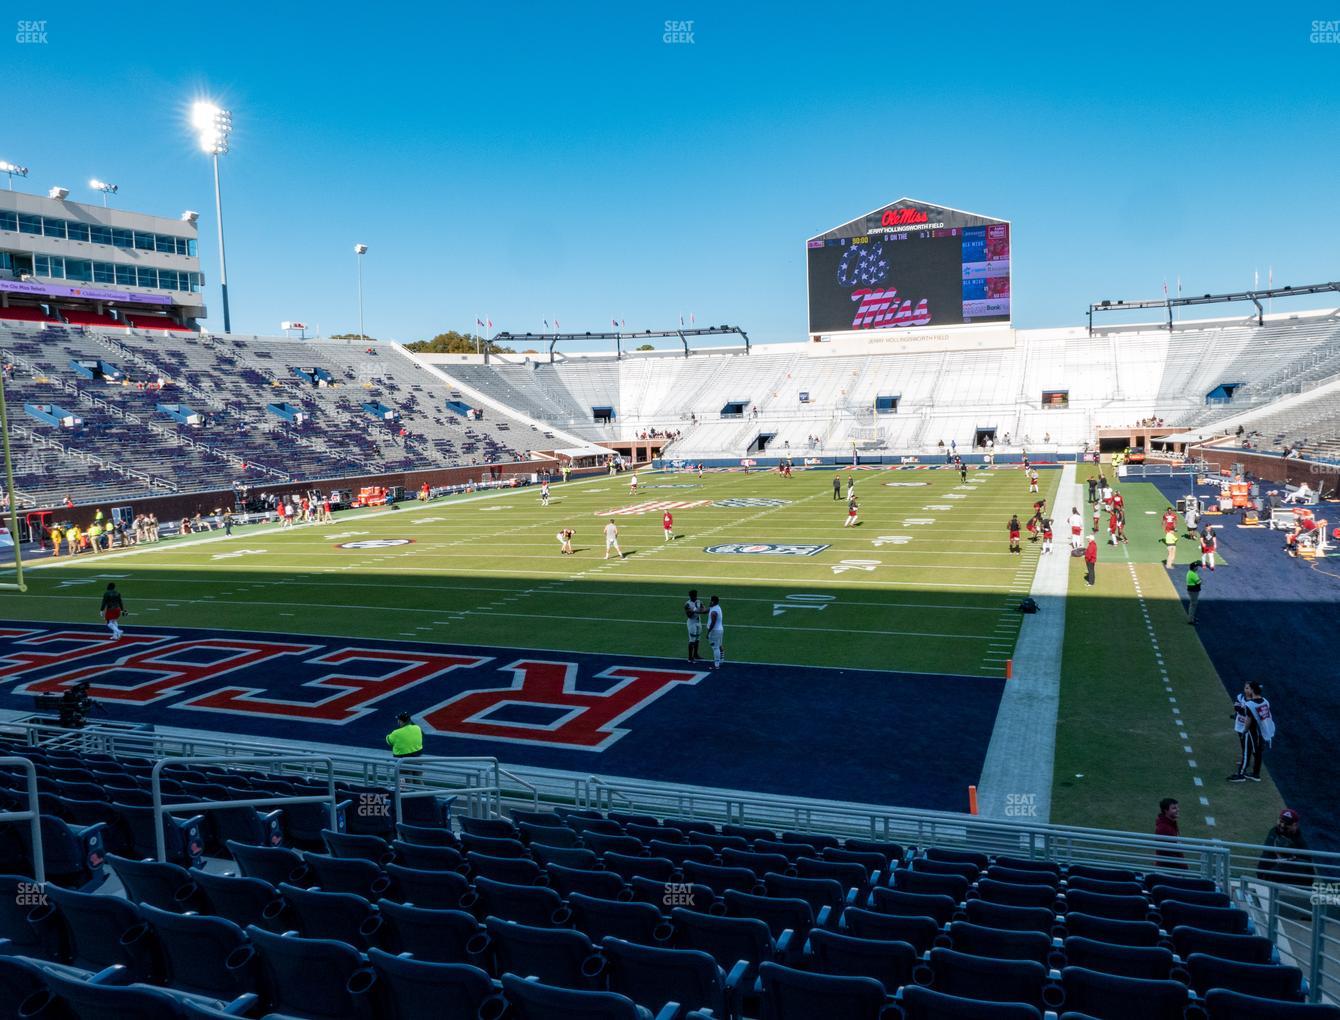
(405, 741)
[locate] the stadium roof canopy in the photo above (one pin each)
(903, 215)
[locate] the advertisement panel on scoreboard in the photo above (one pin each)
(909, 264)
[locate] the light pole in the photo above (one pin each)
(105, 188)
(360, 250)
(213, 126)
(13, 170)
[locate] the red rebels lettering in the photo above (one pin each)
(902, 217)
(15, 662)
(168, 676)
(352, 694)
(589, 723)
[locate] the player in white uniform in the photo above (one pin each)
(693, 609)
(544, 494)
(716, 631)
(612, 540)
(1076, 523)
(632, 484)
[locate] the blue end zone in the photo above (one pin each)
(902, 739)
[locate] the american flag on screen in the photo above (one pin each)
(881, 309)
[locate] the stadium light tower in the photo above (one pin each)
(13, 170)
(360, 250)
(104, 187)
(212, 127)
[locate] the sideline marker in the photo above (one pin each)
(1009, 669)
(972, 800)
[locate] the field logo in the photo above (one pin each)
(905, 485)
(748, 502)
(764, 549)
(375, 543)
(892, 540)
(653, 506)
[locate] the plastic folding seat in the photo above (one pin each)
(820, 893)
(426, 856)
(566, 881)
(660, 869)
(536, 817)
(83, 813)
(889, 963)
(594, 826)
(240, 899)
(1028, 864)
(1096, 885)
(953, 886)
(966, 869)
(1245, 948)
(779, 913)
(759, 864)
(517, 870)
(1151, 963)
(305, 977)
(415, 989)
(303, 823)
(848, 875)
(1205, 899)
(981, 860)
(494, 846)
(354, 847)
(1122, 998)
(494, 828)
(646, 833)
(749, 832)
(631, 921)
(1015, 894)
(652, 976)
(82, 790)
(526, 904)
(987, 978)
(1229, 920)
(923, 1004)
(352, 875)
(442, 936)
(1263, 980)
(719, 879)
(530, 1000)
(665, 896)
(1021, 876)
(72, 855)
(94, 1000)
(157, 883)
(549, 835)
(97, 931)
(18, 979)
(727, 939)
(626, 818)
(918, 932)
(716, 842)
(19, 895)
(1104, 929)
(619, 844)
(679, 853)
(436, 890)
(1178, 881)
(872, 862)
(791, 851)
(1116, 908)
(273, 864)
(1000, 943)
(1002, 915)
(1100, 873)
(424, 811)
(687, 825)
(1224, 1004)
(371, 812)
(423, 835)
(183, 837)
(343, 917)
(790, 994)
(194, 950)
(818, 840)
(568, 857)
(906, 904)
(556, 956)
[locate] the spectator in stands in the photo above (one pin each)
(1090, 560)
(1166, 826)
(1281, 861)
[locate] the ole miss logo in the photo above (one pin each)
(903, 217)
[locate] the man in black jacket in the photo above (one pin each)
(1281, 861)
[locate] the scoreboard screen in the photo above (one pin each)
(897, 277)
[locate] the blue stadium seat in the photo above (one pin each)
(303, 823)
(1114, 908)
(495, 828)
(1025, 876)
(749, 832)
(719, 879)
(526, 904)
(1174, 880)
(1229, 920)
(371, 813)
(918, 932)
(95, 1000)
(493, 846)
(1016, 894)
(440, 936)
(652, 976)
(677, 852)
(99, 931)
(549, 835)
(427, 856)
(1000, 943)
(427, 835)
(1121, 998)
(568, 857)
(273, 864)
(891, 852)
(536, 817)
(872, 862)
(1097, 885)
(818, 840)
(717, 842)
(1101, 873)
(348, 875)
(660, 869)
(923, 1004)
(72, 855)
(436, 890)
(426, 812)
(889, 963)
(759, 864)
(791, 851)
(905, 904)
(19, 979)
(966, 869)
(305, 977)
(848, 875)
(1223, 1004)
(779, 913)
(1029, 864)
(356, 847)
(1263, 980)
(953, 886)
(194, 951)
(1120, 933)
(158, 883)
(1151, 963)
(183, 837)
(516, 870)
(530, 1000)
(1201, 897)
(416, 989)
(665, 896)
(687, 825)
(19, 896)
(240, 899)
(974, 857)
(593, 826)
(727, 939)
(556, 956)
(1246, 948)
(317, 914)
(646, 833)
(566, 881)
(790, 994)
(633, 922)
(627, 818)
(982, 977)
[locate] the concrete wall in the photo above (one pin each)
(1272, 468)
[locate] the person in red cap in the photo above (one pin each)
(1281, 861)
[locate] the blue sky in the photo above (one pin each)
(526, 161)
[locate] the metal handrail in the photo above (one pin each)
(33, 816)
(161, 809)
